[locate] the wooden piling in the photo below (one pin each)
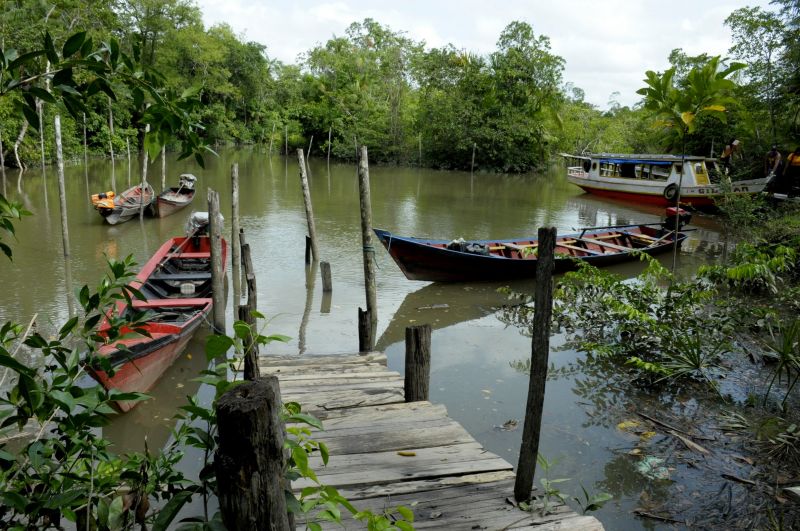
(247, 314)
(111, 145)
(366, 241)
(250, 461)
(308, 155)
(325, 273)
(286, 140)
(163, 168)
(3, 159)
(418, 363)
(128, 147)
(330, 130)
(62, 201)
(472, 168)
(271, 138)
(540, 350)
(366, 338)
(249, 273)
(144, 176)
(236, 254)
(217, 278)
(85, 154)
(40, 109)
(312, 232)
(308, 250)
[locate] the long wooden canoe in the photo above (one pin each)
(461, 261)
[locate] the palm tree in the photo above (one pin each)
(707, 90)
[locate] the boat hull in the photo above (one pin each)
(127, 205)
(176, 283)
(430, 260)
(172, 201)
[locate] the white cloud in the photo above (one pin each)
(607, 45)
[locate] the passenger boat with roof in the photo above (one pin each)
(654, 179)
(176, 285)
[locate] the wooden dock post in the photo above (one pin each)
(246, 312)
(472, 168)
(330, 130)
(312, 232)
(418, 363)
(540, 350)
(128, 147)
(366, 240)
(144, 176)
(249, 461)
(308, 250)
(163, 168)
(236, 254)
(325, 273)
(366, 340)
(217, 278)
(271, 138)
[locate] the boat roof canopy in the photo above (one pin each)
(638, 161)
(641, 158)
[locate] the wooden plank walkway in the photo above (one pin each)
(451, 481)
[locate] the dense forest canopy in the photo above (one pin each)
(409, 103)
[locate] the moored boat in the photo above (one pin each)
(463, 261)
(176, 283)
(655, 179)
(120, 208)
(173, 199)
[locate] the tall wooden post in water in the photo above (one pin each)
(540, 350)
(62, 196)
(366, 241)
(418, 363)
(217, 278)
(236, 254)
(111, 145)
(144, 176)
(163, 168)
(312, 231)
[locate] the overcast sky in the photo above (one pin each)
(607, 44)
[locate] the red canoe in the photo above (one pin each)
(176, 282)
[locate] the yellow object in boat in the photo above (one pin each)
(103, 200)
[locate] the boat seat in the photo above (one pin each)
(604, 244)
(181, 276)
(581, 249)
(189, 255)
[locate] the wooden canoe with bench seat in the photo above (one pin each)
(477, 260)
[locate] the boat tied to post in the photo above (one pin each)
(479, 260)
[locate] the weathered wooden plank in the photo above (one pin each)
(322, 387)
(345, 399)
(397, 408)
(361, 492)
(336, 376)
(280, 370)
(382, 416)
(421, 457)
(380, 430)
(394, 441)
(330, 360)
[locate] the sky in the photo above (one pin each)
(607, 45)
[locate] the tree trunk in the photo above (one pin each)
(20, 138)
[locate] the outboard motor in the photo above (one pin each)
(197, 226)
(675, 218)
(187, 181)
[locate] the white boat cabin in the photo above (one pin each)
(697, 171)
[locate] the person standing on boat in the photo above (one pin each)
(773, 163)
(791, 172)
(727, 155)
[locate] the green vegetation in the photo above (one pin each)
(376, 86)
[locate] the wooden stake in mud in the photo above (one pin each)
(236, 254)
(85, 153)
(365, 337)
(312, 232)
(286, 140)
(418, 363)
(325, 273)
(3, 158)
(217, 278)
(366, 241)
(540, 349)
(249, 461)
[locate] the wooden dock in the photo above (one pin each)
(443, 474)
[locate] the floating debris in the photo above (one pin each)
(509, 425)
(652, 467)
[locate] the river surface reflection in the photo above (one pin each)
(473, 349)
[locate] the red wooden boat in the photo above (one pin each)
(176, 282)
(465, 261)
